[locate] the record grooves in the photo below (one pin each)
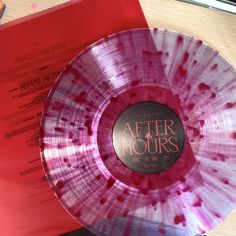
(138, 135)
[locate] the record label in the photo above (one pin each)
(148, 137)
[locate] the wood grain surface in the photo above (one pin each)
(216, 28)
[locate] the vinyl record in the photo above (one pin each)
(138, 135)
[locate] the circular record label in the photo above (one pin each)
(148, 137)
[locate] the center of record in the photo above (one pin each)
(148, 137)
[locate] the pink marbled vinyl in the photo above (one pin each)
(192, 196)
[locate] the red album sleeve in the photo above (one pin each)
(33, 51)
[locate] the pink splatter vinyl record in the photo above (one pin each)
(138, 136)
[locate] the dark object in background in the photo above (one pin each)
(79, 232)
(2, 8)
(85, 232)
(229, 1)
(223, 5)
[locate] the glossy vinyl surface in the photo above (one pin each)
(140, 65)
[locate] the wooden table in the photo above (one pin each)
(216, 28)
